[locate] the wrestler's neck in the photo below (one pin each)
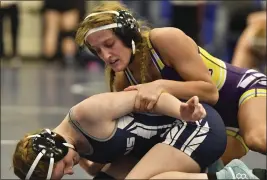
(135, 64)
(72, 136)
(68, 133)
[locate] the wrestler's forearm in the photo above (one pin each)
(104, 106)
(185, 90)
(90, 167)
(117, 104)
(168, 105)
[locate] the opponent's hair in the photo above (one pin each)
(142, 49)
(24, 156)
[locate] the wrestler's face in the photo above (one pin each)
(110, 49)
(65, 166)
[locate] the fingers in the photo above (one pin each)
(193, 101)
(151, 105)
(137, 103)
(199, 112)
(146, 98)
(144, 104)
(193, 107)
(184, 106)
(196, 100)
(140, 103)
(131, 88)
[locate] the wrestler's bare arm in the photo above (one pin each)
(113, 105)
(90, 167)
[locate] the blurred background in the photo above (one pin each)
(44, 73)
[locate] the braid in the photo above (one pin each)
(143, 69)
(110, 74)
(111, 81)
(145, 56)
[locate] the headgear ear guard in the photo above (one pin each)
(125, 27)
(48, 148)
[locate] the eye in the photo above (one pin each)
(98, 50)
(109, 44)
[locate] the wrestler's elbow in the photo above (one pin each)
(77, 112)
(212, 95)
(89, 108)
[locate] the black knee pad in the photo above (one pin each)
(103, 175)
(70, 33)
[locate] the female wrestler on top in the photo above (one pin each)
(166, 59)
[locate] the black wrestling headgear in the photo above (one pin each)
(125, 27)
(49, 148)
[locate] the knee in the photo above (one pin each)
(67, 34)
(68, 44)
(236, 147)
(255, 139)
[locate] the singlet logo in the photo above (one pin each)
(241, 176)
(129, 145)
(211, 71)
(251, 77)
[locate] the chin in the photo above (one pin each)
(119, 68)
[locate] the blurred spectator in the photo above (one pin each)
(141, 8)
(250, 51)
(10, 9)
(87, 60)
(60, 21)
(147, 10)
(230, 22)
(187, 16)
(237, 12)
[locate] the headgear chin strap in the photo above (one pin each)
(126, 27)
(48, 148)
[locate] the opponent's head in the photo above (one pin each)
(113, 34)
(45, 155)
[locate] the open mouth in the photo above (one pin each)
(113, 62)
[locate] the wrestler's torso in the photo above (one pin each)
(133, 134)
(231, 81)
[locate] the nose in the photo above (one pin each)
(106, 55)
